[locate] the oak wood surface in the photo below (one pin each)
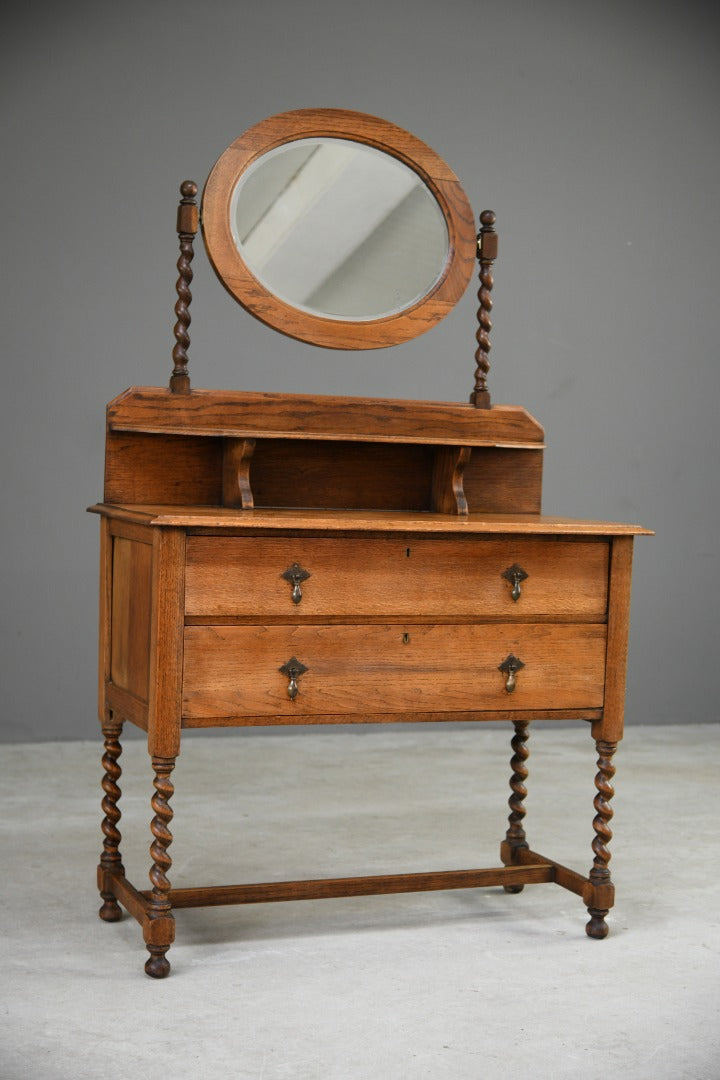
(568, 879)
(371, 885)
(357, 521)
(130, 616)
(176, 469)
(234, 670)
(405, 616)
(131, 898)
(342, 474)
(126, 705)
(306, 416)
(448, 492)
(146, 468)
(130, 530)
(166, 643)
(460, 576)
(611, 728)
(104, 616)
(501, 480)
(408, 716)
(236, 460)
(372, 131)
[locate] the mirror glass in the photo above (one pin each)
(339, 229)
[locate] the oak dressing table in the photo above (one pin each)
(270, 559)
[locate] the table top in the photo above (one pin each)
(219, 517)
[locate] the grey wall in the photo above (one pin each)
(591, 129)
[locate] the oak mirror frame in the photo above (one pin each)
(399, 169)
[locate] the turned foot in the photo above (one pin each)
(157, 966)
(513, 888)
(110, 910)
(597, 927)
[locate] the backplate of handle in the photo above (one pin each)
(295, 575)
(509, 667)
(293, 668)
(515, 574)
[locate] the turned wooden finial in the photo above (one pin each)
(487, 253)
(187, 224)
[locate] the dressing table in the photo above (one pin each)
(272, 559)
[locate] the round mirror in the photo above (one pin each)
(339, 229)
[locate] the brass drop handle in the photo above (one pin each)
(509, 667)
(295, 575)
(515, 574)
(293, 669)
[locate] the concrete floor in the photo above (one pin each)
(467, 984)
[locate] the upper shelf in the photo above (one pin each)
(305, 416)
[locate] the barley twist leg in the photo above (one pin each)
(159, 924)
(110, 859)
(602, 894)
(515, 836)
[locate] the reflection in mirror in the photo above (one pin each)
(339, 229)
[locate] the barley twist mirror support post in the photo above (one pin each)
(487, 253)
(187, 226)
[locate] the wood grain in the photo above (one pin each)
(417, 577)
(104, 616)
(236, 461)
(341, 474)
(125, 705)
(611, 727)
(373, 885)
(166, 643)
(448, 493)
(234, 670)
(307, 416)
(173, 469)
(130, 618)
(502, 480)
(336, 522)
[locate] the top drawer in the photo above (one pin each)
(243, 576)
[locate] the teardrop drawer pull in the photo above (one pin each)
(515, 574)
(293, 669)
(295, 575)
(509, 667)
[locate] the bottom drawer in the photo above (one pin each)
(234, 671)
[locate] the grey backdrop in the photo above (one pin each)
(591, 129)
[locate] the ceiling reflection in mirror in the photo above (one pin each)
(339, 229)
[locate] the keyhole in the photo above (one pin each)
(407, 553)
(406, 639)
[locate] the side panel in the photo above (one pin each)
(130, 616)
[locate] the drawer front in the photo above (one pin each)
(229, 576)
(234, 671)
